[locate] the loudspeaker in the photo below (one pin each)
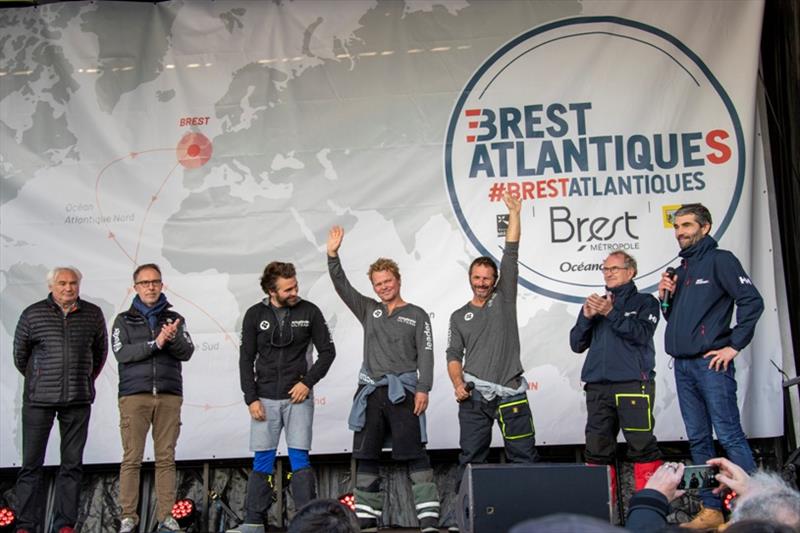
(493, 498)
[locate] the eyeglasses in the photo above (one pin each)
(148, 283)
(613, 270)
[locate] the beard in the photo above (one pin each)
(291, 301)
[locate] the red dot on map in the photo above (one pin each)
(194, 150)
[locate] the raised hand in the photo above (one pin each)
(335, 236)
(513, 203)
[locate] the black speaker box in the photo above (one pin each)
(493, 498)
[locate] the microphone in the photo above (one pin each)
(667, 300)
(468, 386)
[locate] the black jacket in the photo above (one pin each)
(709, 281)
(647, 512)
(60, 355)
(620, 344)
(143, 367)
(267, 368)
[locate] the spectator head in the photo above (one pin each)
(759, 526)
(769, 498)
(321, 515)
(564, 523)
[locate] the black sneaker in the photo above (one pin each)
(429, 524)
(368, 524)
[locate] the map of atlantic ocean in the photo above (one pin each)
(214, 137)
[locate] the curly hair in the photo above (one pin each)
(384, 264)
(273, 271)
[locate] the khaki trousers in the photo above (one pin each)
(138, 413)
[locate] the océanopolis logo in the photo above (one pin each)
(603, 126)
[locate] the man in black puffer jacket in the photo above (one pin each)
(150, 342)
(60, 346)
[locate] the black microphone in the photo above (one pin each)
(666, 301)
(468, 387)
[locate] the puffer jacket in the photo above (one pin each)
(60, 355)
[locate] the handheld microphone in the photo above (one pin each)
(468, 386)
(667, 300)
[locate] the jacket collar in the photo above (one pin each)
(700, 248)
(54, 305)
(623, 291)
(134, 310)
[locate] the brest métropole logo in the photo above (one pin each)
(603, 126)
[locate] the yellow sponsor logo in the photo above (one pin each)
(668, 214)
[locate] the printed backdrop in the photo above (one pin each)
(214, 137)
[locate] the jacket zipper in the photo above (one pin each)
(153, 337)
(65, 362)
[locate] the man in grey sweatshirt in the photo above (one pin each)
(483, 358)
(393, 384)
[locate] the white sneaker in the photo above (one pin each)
(127, 525)
(168, 525)
(247, 528)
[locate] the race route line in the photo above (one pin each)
(193, 151)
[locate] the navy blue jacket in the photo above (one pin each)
(709, 281)
(647, 511)
(620, 344)
(143, 366)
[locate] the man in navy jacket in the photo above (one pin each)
(700, 338)
(150, 342)
(618, 329)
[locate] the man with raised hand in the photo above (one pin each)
(483, 358)
(151, 343)
(699, 336)
(60, 346)
(277, 375)
(393, 384)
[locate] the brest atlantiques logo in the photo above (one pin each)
(603, 126)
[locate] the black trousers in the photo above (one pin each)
(476, 418)
(627, 406)
(73, 425)
(385, 419)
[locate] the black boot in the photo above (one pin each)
(304, 487)
(260, 495)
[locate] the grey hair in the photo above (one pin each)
(769, 497)
(628, 259)
(55, 271)
(701, 213)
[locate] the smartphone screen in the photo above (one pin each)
(699, 477)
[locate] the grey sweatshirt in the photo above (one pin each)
(486, 339)
(393, 344)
